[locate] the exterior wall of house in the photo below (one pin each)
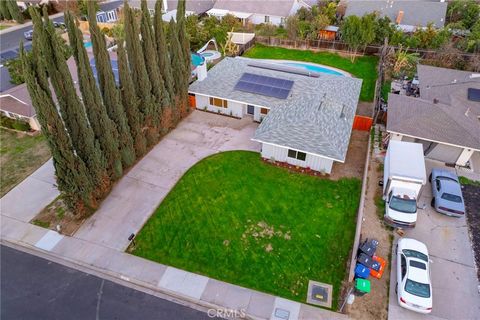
(475, 161)
(314, 162)
(34, 124)
(258, 116)
(234, 108)
(260, 18)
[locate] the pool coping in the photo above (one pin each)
(312, 64)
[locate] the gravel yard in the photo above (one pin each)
(471, 195)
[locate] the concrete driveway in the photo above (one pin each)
(136, 196)
(455, 287)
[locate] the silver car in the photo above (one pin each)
(447, 193)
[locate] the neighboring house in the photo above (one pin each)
(198, 7)
(445, 118)
(107, 16)
(256, 12)
(16, 104)
(406, 14)
(306, 119)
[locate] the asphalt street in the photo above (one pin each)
(10, 41)
(36, 288)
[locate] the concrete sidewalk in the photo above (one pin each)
(33, 194)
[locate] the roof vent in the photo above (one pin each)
(435, 101)
(342, 113)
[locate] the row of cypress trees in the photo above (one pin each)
(96, 134)
(9, 10)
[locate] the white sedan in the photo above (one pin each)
(414, 288)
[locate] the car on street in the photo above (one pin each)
(447, 193)
(414, 288)
(28, 35)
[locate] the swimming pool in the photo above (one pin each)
(87, 44)
(313, 68)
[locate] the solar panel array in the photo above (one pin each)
(114, 65)
(473, 94)
(267, 86)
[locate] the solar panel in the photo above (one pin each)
(267, 86)
(474, 94)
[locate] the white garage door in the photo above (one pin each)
(444, 153)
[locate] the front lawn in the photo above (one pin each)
(364, 67)
(235, 218)
(20, 156)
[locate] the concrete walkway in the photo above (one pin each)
(138, 194)
(99, 245)
(33, 194)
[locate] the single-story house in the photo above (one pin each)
(256, 12)
(445, 118)
(306, 118)
(406, 14)
(107, 16)
(15, 103)
(169, 7)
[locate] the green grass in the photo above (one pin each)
(235, 218)
(364, 67)
(386, 87)
(43, 224)
(466, 181)
(20, 155)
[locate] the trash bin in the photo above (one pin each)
(369, 247)
(378, 273)
(361, 271)
(362, 287)
(368, 262)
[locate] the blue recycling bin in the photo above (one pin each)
(361, 271)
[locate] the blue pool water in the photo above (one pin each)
(196, 59)
(87, 44)
(313, 68)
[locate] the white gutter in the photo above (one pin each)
(436, 141)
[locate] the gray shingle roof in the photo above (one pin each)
(280, 8)
(438, 122)
(415, 12)
(296, 122)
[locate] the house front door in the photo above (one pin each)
(250, 110)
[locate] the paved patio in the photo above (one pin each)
(455, 288)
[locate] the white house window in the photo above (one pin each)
(267, 19)
(218, 102)
(297, 155)
(283, 21)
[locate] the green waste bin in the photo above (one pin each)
(362, 286)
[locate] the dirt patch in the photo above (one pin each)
(354, 163)
(471, 195)
(56, 216)
(375, 304)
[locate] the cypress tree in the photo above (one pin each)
(71, 108)
(162, 52)
(70, 171)
(151, 61)
(108, 88)
(138, 69)
(130, 101)
(182, 35)
(103, 127)
(4, 14)
(14, 10)
(178, 68)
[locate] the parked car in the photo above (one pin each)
(414, 288)
(447, 193)
(28, 35)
